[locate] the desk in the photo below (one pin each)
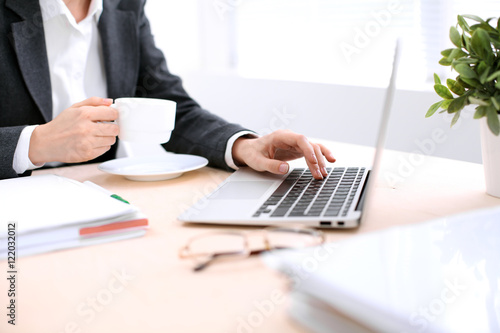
(140, 285)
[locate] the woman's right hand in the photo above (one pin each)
(80, 133)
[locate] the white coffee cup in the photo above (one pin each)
(145, 120)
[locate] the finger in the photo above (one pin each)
(102, 113)
(315, 168)
(106, 129)
(312, 153)
(327, 153)
(104, 141)
(285, 140)
(262, 163)
(94, 101)
(321, 171)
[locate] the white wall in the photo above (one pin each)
(336, 112)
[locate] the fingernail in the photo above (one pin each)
(323, 170)
(283, 168)
(318, 173)
(107, 100)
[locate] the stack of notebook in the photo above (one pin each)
(48, 212)
(438, 276)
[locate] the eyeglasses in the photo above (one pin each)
(207, 248)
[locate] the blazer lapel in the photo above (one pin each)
(120, 49)
(29, 44)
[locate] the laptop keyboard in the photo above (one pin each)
(301, 195)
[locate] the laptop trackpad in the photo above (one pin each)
(242, 190)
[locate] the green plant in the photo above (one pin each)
(476, 59)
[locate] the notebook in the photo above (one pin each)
(248, 197)
(44, 213)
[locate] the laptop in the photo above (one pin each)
(252, 198)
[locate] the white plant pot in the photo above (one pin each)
(490, 147)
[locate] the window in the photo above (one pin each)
(331, 41)
(348, 42)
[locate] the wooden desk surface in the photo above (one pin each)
(140, 285)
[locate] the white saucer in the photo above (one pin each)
(153, 168)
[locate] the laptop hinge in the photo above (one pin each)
(361, 201)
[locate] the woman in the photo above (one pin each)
(55, 55)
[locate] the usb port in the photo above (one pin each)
(325, 223)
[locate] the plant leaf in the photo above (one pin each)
(495, 103)
(455, 118)
(465, 71)
(463, 83)
(434, 107)
(445, 62)
(478, 101)
(480, 43)
(481, 67)
(447, 52)
(446, 104)
(473, 83)
(482, 95)
(480, 112)
(466, 41)
(466, 61)
(437, 80)
(474, 17)
(456, 54)
(493, 76)
(493, 122)
(484, 76)
(455, 87)
(489, 19)
(493, 33)
(443, 91)
(457, 104)
(483, 26)
(455, 37)
(463, 24)
(497, 100)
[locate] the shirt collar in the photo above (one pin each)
(95, 9)
(53, 8)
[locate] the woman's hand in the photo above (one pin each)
(271, 152)
(80, 133)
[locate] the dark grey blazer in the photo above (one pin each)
(134, 67)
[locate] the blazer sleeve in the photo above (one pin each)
(9, 136)
(197, 131)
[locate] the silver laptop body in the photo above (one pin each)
(254, 198)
